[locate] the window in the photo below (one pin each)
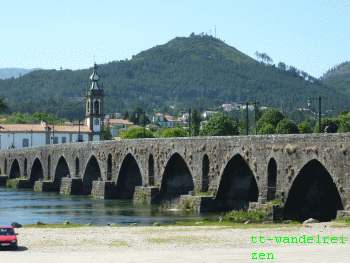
(97, 122)
(80, 138)
(96, 107)
(55, 140)
(25, 142)
(64, 139)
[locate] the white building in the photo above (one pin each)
(166, 120)
(117, 125)
(207, 114)
(30, 135)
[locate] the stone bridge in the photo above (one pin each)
(308, 174)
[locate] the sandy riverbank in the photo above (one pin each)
(170, 244)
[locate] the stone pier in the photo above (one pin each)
(44, 186)
(3, 180)
(71, 186)
(145, 195)
(103, 190)
(19, 183)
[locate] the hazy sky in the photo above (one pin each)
(311, 35)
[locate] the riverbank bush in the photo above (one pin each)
(241, 216)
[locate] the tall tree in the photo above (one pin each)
(271, 117)
(220, 125)
(3, 105)
(195, 122)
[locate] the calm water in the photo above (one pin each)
(27, 207)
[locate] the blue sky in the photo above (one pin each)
(311, 35)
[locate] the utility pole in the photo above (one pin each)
(319, 111)
(255, 113)
(247, 117)
(189, 121)
(144, 124)
(53, 133)
(319, 114)
(79, 137)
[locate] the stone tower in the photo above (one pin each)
(94, 107)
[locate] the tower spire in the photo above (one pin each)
(94, 78)
(94, 106)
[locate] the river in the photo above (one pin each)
(28, 207)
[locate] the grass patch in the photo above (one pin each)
(241, 216)
(230, 224)
(341, 222)
(54, 226)
(204, 194)
(119, 243)
(180, 239)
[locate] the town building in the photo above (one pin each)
(166, 120)
(32, 135)
(207, 114)
(117, 125)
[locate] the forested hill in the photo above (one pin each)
(6, 73)
(339, 78)
(196, 71)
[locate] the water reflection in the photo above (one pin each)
(27, 207)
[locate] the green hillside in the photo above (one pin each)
(6, 73)
(196, 71)
(339, 78)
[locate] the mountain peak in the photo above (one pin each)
(198, 46)
(339, 77)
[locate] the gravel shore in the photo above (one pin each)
(172, 244)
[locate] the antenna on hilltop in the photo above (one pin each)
(215, 31)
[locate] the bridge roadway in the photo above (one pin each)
(309, 174)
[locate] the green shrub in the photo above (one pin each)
(241, 216)
(136, 132)
(172, 132)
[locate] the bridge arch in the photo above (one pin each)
(271, 179)
(128, 178)
(205, 173)
(15, 170)
(109, 167)
(77, 166)
(49, 167)
(92, 173)
(313, 194)
(151, 170)
(237, 185)
(62, 170)
(5, 166)
(25, 169)
(36, 172)
(176, 180)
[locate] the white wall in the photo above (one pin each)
(70, 137)
(36, 139)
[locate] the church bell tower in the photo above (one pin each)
(94, 107)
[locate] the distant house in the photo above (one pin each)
(184, 118)
(207, 114)
(117, 125)
(166, 120)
